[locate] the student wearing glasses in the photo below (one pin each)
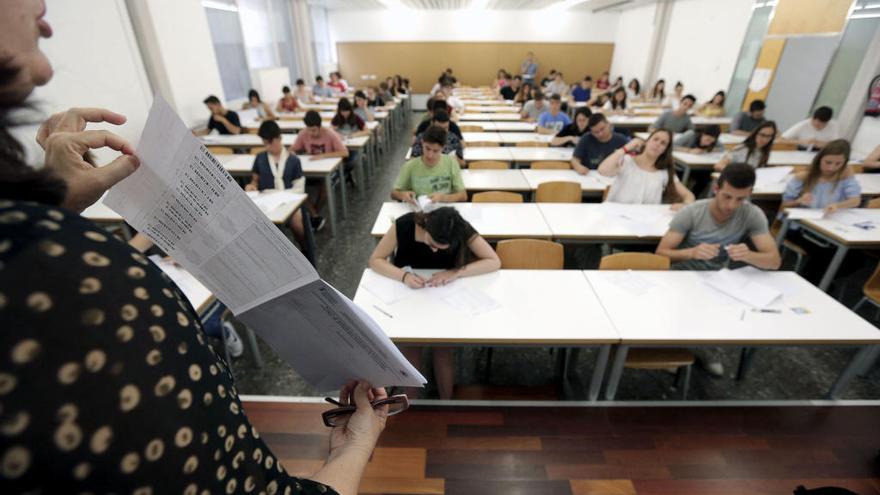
(755, 150)
(433, 174)
(439, 240)
(647, 177)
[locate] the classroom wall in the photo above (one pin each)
(632, 42)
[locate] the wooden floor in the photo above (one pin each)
(581, 451)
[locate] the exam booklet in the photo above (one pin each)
(183, 199)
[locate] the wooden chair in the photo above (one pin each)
(558, 192)
(481, 144)
(220, 150)
(256, 150)
(857, 169)
(874, 203)
(470, 128)
(488, 165)
(550, 165)
(784, 147)
(530, 254)
(652, 359)
(787, 245)
(497, 197)
(532, 144)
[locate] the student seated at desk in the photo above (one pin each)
(745, 122)
(433, 174)
(438, 106)
(648, 177)
(571, 134)
(385, 93)
(320, 89)
(373, 98)
(617, 103)
(362, 108)
(453, 146)
(441, 239)
(511, 88)
(222, 120)
(557, 86)
(634, 90)
(502, 79)
(256, 103)
(755, 150)
(451, 100)
(583, 91)
(335, 84)
(288, 102)
(674, 100)
(703, 140)
(275, 168)
(319, 142)
(600, 100)
(346, 122)
(597, 144)
(534, 108)
(553, 119)
(658, 93)
(815, 132)
(603, 83)
(713, 107)
(676, 120)
(303, 93)
(526, 93)
(546, 80)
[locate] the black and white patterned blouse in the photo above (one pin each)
(107, 383)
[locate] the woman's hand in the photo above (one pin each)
(440, 279)
(831, 209)
(413, 281)
(85, 182)
(75, 120)
(806, 199)
(359, 432)
(250, 186)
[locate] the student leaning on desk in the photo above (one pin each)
(441, 239)
(433, 174)
(108, 383)
(755, 150)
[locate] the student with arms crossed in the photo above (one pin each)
(597, 144)
(815, 132)
(529, 69)
(554, 119)
(745, 122)
(441, 239)
(709, 235)
(453, 146)
(648, 177)
(534, 108)
(676, 120)
(433, 174)
(318, 142)
(222, 120)
(573, 132)
(755, 150)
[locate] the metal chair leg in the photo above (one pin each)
(858, 305)
(487, 371)
(687, 382)
(255, 350)
(745, 360)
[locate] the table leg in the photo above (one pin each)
(685, 174)
(361, 171)
(616, 372)
(831, 271)
(852, 369)
(343, 193)
(309, 248)
(599, 372)
(331, 202)
(783, 230)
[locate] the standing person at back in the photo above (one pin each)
(745, 122)
(221, 120)
(815, 132)
(598, 143)
(433, 174)
(534, 108)
(676, 120)
(553, 119)
(529, 69)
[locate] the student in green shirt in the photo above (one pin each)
(433, 174)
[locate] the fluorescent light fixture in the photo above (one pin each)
(213, 4)
(564, 5)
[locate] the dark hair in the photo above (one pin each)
(285, 89)
(752, 145)
(738, 175)
(588, 78)
(596, 118)
(836, 147)
(446, 226)
(638, 88)
(657, 92)
(618, 104)
(344, 105)
(253, 94)
(440, 116)
(319, 78)
(757, 106)
(18, 180)
(429, 105)
(665, 162)
(600, 100)
(522, 96)
(300, 82)
(360, 94)
(689, 97)
(517, 77)
(586, 112)
(312, 119)
(539, 95)
(269, 130)
(440, 105)
(679, 84)
(211, 100)
(434, 134)
(720, 93)
(555, 97)
(710, 130)
(823, 114)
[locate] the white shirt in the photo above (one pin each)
(635, 185)
(455, 103)
(804, 131)
(277, 168)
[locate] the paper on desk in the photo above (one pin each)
(852, 218)
(187, 203)
(191, 288)
(388, 290)
(741, 285)
(629, 281)
(805, 213)
(268, 201)
(468, 300)
(425, 204)
(771, 175)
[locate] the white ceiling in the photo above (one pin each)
(588, 5)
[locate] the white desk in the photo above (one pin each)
(592, 183)
(537, 308)
(645, 121)
(497, 116)
(197, 294)
(706, 161)
(678, 308)
(294, 126)
(726, 139)
(517, 154)
(870, 184)
(242, 140)
(475, 102)
(506, 137)
(495, 180)
(607, 222)
(500, 153)
(491, 220)
(503, 126)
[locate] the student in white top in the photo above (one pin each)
(814, 132)
(658, 94)
(303, 93)
(871, 163)
(557, 86)
(647, 177)
(617, 103)
(674, 99)
(452, 100)
(264, 112)
(634, 90)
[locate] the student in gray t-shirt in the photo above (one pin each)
(535, 107)
(744, 123)
(709, 234)
(676, 120)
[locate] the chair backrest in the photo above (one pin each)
(550, 165)
(481, 144)
(558, 192)
(634, 261)
(220, 150)
(784, 147)
(497, 197)
(256, 150)
(470, 128)
(857, 169)
(488, 165)
(873, 281)
(530, 254)
(605, 193)
(532, 144)
(873, 203)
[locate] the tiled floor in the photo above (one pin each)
(776, 373)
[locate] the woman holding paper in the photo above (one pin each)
(107, 383)
(441, 239)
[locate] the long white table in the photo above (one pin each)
(517, 154)
(288, 126)
(242, 140)
(870, 184)
(607, 222)
(490, 116)
(592, 183)
(677, 308)
(491, 220)
(503, 126)
(726, 139)
(645, 121)
(548, 308)
(506, 137)
(706, 161)
(495, 180)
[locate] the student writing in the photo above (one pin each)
(755, 150)
(221, 120)
(433, 174)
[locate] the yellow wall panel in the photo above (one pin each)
(769, 57)
(809, 16)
